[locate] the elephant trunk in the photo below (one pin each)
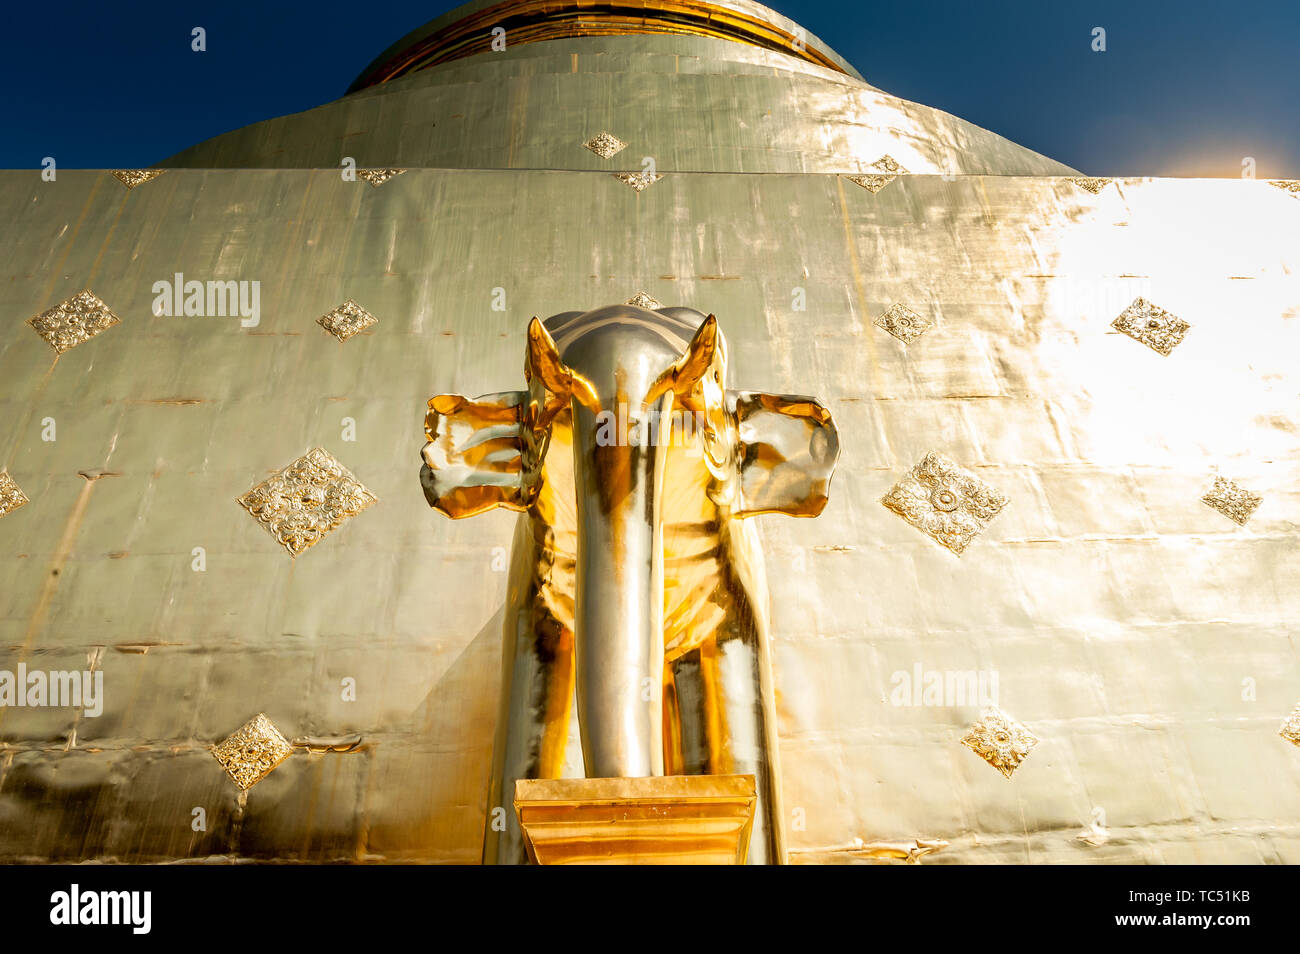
(618, 606)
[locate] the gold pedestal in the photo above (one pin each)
(664, 820)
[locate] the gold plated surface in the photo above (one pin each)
(857, 851)
(71, 322)
(252, 752)
(517, 104)
(531, 21)
(346, 320)
(308, 499)
(1000, 740)
(1121, 614)
(668, 820)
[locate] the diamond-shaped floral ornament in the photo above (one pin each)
(888, 169)
(252, 752)
(346, 320)
(1156, 328)
(1235, 503)
(71, 322)
(948, 503)
(642, 300)
(308, 499)
(1091, 185)
(605, 145)
(639, 181)
(377, 177)
(904, 324)
(11, 496)
(134, 177)
(1287, 185)
(1290, 728)
(888, 163)
(1000, 740)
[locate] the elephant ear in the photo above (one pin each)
(473, 461)
(788, 449)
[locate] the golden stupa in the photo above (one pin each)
(1047, 614)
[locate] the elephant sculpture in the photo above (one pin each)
(635, 577)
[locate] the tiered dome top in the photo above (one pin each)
(724, 86)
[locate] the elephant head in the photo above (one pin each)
(627, 445)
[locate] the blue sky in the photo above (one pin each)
(1183, 89)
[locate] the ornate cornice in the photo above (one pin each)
(532, 21)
